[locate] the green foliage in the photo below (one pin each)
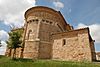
(15, 40)
(7, 62)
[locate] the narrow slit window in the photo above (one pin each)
(64, 42)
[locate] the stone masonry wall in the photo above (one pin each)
(77, 47)
(9, 52)
(98, 56)
(31, 43)
(47, 28)
(93, 50)
(45, 50)
(31, 49)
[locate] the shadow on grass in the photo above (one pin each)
(22, 60)
(1, 56)
(97, 61)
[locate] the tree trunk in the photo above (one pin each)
(10, 50)
(21, 55)
(14, 54)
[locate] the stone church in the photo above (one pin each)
(48, 36)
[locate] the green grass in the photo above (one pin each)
(7, 62)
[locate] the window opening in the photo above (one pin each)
(64, 42)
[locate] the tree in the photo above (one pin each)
(14, 41)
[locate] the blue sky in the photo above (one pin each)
(75, 12)
(78, 13)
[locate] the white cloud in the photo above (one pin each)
(12, 11)
(3, 48)
(58, 5)
(3, 35)
(94, 30)
(32, 2)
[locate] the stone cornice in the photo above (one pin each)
(71, 33)
(52, 14)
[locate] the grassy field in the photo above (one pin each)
(7, 62)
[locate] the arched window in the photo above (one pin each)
(64, 42)
(29, 32)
